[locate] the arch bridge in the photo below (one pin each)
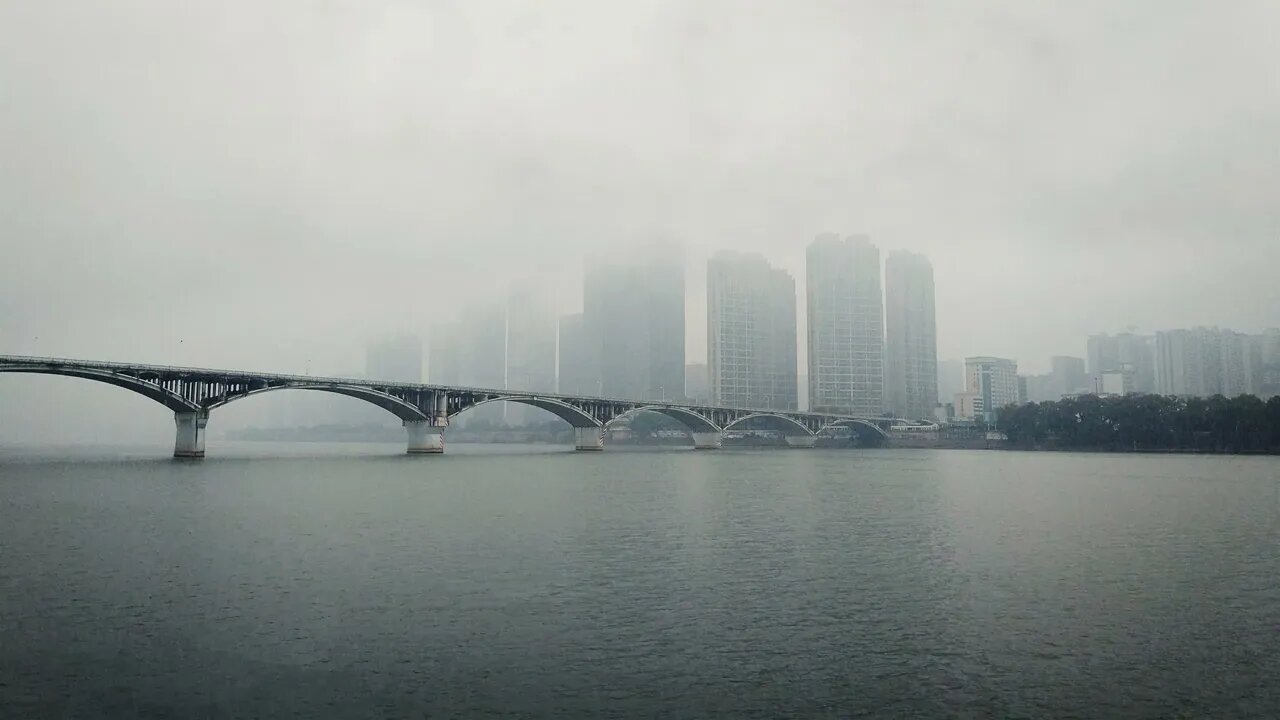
(193, 393)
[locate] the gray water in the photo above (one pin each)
(350, 581)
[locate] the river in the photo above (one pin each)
(352, 581)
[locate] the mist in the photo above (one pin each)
(274, 186)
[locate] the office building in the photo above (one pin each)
(751, 333)
(846, 326)
(911, 336)
(992, 383)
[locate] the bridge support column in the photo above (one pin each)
(189, 440)
(707, 440)
(588, 438)
(424, 438)
(802, 441)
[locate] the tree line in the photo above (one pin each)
(1243, 424)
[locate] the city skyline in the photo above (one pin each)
(281, 205)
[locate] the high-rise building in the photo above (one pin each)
(1042, 388)
(697, 384)
(1128, 353)
(751, 332)
(579, 373)
(634, 310)
(1201, 362)
(911, 336)
(1067, 375)
(1266, 376)
(397, 359)
(991, 383)
(846, 326)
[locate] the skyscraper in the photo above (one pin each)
(633, 309)
(911, 336)
(751, 332)
(846, 326)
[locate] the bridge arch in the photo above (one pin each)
(563, 410)
(690, 419)
(154, 391)
(797, 424)
(390, 403)
(877, 431)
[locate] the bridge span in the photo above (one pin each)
(425, 410)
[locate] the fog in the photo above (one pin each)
(273, 185)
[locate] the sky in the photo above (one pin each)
(273, 185)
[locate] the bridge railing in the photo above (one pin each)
(360, 382)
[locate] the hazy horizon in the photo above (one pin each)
(272, 186)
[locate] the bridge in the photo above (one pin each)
(425, 410)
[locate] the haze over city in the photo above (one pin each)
(273, 187)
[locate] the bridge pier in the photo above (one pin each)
(588, 438)
(802, 441)
(189, 439)
(707, 440)
(424, 437)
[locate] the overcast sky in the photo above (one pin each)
(271, 184)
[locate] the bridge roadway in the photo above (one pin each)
(425, 410)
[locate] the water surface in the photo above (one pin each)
(352, 581)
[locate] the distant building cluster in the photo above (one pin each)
(871, 339)
(862, 360)
(1196, 362)
(872, 350)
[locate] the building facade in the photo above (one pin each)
(697, 383)
(1067, 375)
(751, 333)
(911, 336)
(633, 309)
(1128, 353)
(992, 383)
(846, 326)
(1206, 361)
